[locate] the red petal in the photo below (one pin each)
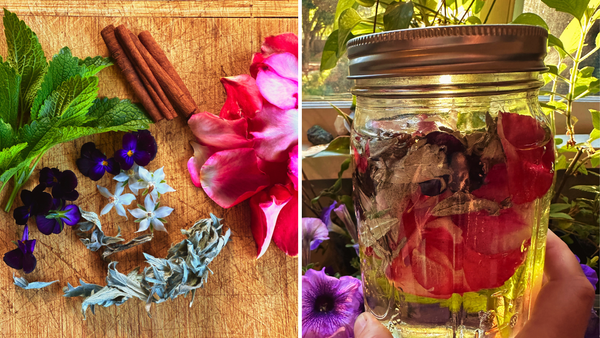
(529, 151)
(286, 231)
(495, 185)
(293, 167)
(277, 171)
(195, 163)
(243, 97)
(274, 131)
(287, 42)
(257, 62)
(211, 130)
(278, 90)
(231, 176)
(498, 268)
(265, 207)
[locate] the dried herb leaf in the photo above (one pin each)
(112, 248)
(23, 283)
(462, 203)
(184, 269)
(96, 239)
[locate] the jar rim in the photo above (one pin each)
(466, 49)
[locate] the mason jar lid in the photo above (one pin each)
(467, 49)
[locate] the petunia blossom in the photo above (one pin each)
(314, 232)
(250, 150)
(151, 216)
(330, 305)
(22, 257)
(116, 200)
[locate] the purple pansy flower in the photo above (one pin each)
(36, 202)
(63, 183)
(93, 163)
(22, 257)
(590, 273)
(330, 305)
(59, 215)
(139, 147)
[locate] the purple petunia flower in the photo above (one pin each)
(63, 183)
(314, 232)
(139, 147)
(22, 257)
(590, 273)
(36, 202)
(59, 215)
(93, 163)
(329, 305)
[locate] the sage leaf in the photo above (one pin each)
(23, 283)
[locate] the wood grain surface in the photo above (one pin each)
(245, 297)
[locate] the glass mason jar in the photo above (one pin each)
(453, 174)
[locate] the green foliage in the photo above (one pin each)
(44, 104)
(386, 15)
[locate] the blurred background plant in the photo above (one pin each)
(575, 209)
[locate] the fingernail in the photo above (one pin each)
(361, 323)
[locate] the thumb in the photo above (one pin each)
(366, 326)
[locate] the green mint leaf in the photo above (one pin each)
(348, 19)
(329, 57)
(398, 16)
(92, 66)
(7, 155)
(6, 134)
(530, 19)
(39, 135)
(71, 100)
(62, 67)
(117, 115)
(9, 94)
(25, 54)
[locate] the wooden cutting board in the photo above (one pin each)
(205, 40)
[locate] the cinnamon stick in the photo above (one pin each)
(128, 70)
(156, 98)
(126, 39)
(160, 57)
(178, 98)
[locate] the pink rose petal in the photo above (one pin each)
(277, 171)
(243, 97)
(274, 131)
(231, 176)
(201, 154)
(293, 167)
(265, 207)
(284, 64)
(287, 42)
(286, 230)
(279, 91)
(211, 130)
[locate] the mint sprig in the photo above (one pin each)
(44, 104)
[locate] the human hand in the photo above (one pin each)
(562, 308)
(564, 304)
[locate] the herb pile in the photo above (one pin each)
(43, 104)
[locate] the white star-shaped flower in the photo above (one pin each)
(151, 215)
(153, 182)
(130, 176)
(116, 200)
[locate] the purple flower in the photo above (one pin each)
(22, 257)
(36, 202)
(139, 147)
(326, 214)
(329, 305)
(590, 273)
(314, 232)
(59, 215)
(344, 215)
(63, 183)
(93, 162)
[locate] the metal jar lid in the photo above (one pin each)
(468, 49)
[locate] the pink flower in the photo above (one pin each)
(250, 151)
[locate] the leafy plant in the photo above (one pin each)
(354, 18)
(43, 104)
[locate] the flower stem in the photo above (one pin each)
(568, 173)
(21, 178)
(375, 18)
(489, 12)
